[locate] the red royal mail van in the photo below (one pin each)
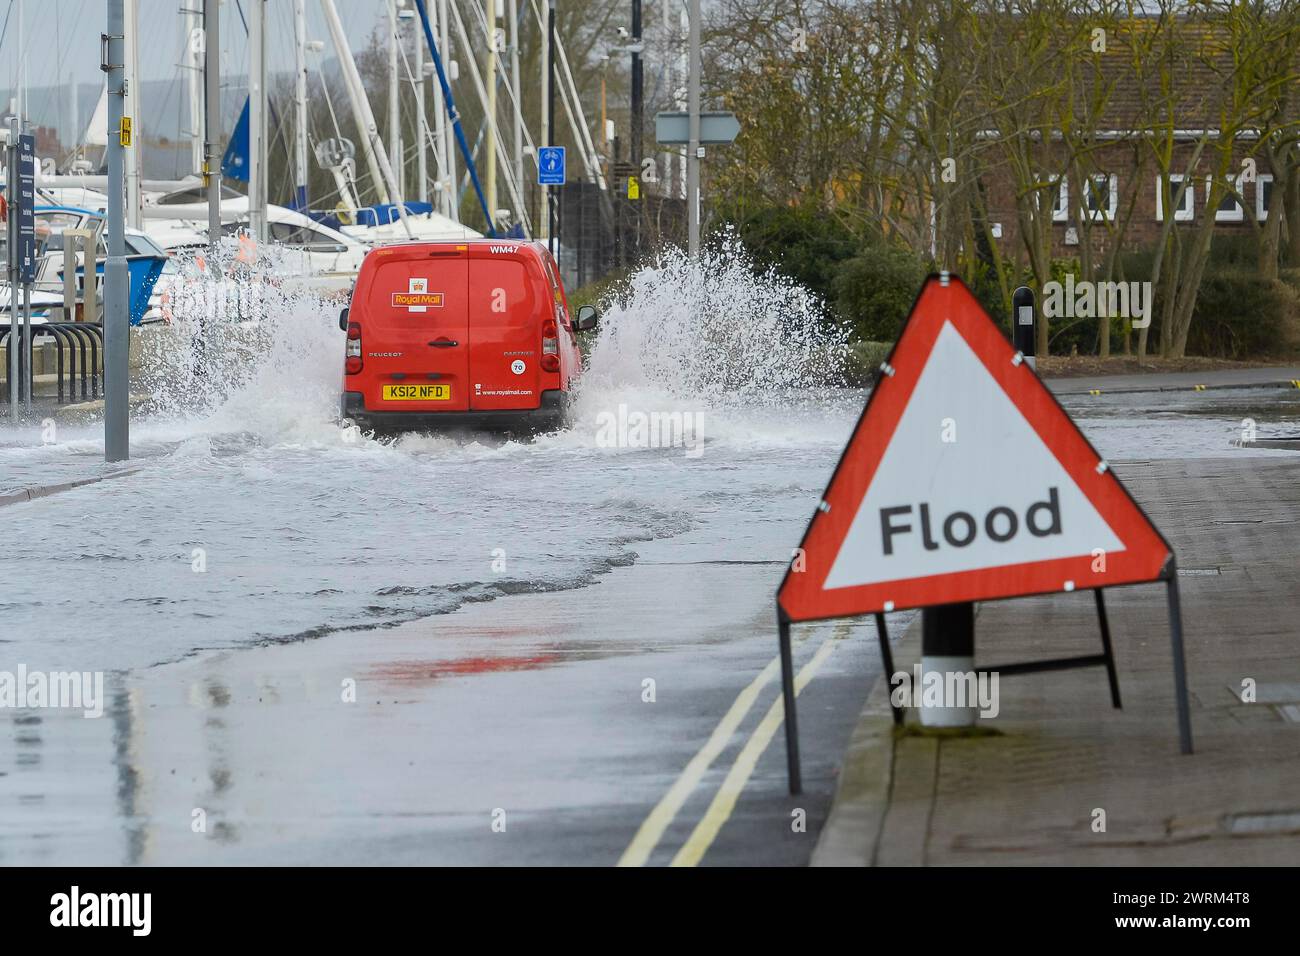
(469, 334)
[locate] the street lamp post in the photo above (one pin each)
(117, 317)
(693, 148)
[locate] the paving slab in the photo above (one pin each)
(1070, 780)
(1276, 376)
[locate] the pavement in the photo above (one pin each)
(1069, 780)
(1266, 377)
(31, 492)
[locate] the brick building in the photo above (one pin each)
(1103, 179)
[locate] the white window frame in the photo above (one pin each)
(1236, 214)
(1112, 198)
(1184, 212)
(1061, 207)
(1261, 213)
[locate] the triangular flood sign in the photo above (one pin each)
(964, 480)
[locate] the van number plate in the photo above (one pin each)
(417, 393)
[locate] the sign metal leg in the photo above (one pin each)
(791, 723)
(1180, 670)
(887, 662)
(1105, 643)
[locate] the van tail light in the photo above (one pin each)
(353, 353)
(550, 346)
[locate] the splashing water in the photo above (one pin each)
(248, 349)
(247, 352)
(301, 527)
(714, 331)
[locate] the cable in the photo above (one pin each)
(5, 29)
(349, 171)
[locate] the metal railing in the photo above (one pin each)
(78, 348)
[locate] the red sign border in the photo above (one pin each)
(1147, 556)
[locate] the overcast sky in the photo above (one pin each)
(61, 37)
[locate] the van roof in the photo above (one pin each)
(475, 241)
(460, 244)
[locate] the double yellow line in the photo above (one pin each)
(652, 829)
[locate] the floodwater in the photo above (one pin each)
(257, 518)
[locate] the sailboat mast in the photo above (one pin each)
(380, 169)
(512, 12)
(74, 107)
(257, 119)
(421, 127)
(356, 98)
(22, 61)
(131, 107)
(544, 58)
(300, 105)
(394, 104)
(212, 115)
(194, 42)
(448, 167)
(490, 178)
(479, 87)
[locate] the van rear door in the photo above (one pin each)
(415, 331)
(507, 305)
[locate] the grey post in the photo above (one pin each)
(28, 371)
(12, 178)
(117, 317)
(552, 197)
(212, 114)
(638, 117)
(1024, 320)
(947, 646)
(1180, 667)
(693, 146)
(794, 773)
(70, 239)
(257, 170)
(24, 190)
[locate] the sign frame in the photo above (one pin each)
(1167, 573)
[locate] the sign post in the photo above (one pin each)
(1011, 501)
(695, 130)
(117, 426)
(552, 198)
(25, 197)
(550, 174)
(11, 241)
(694, 151)
(1024, 320)
(13, 351)
(947, 647)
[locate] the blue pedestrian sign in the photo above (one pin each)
(550, 166)
(25, 206)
